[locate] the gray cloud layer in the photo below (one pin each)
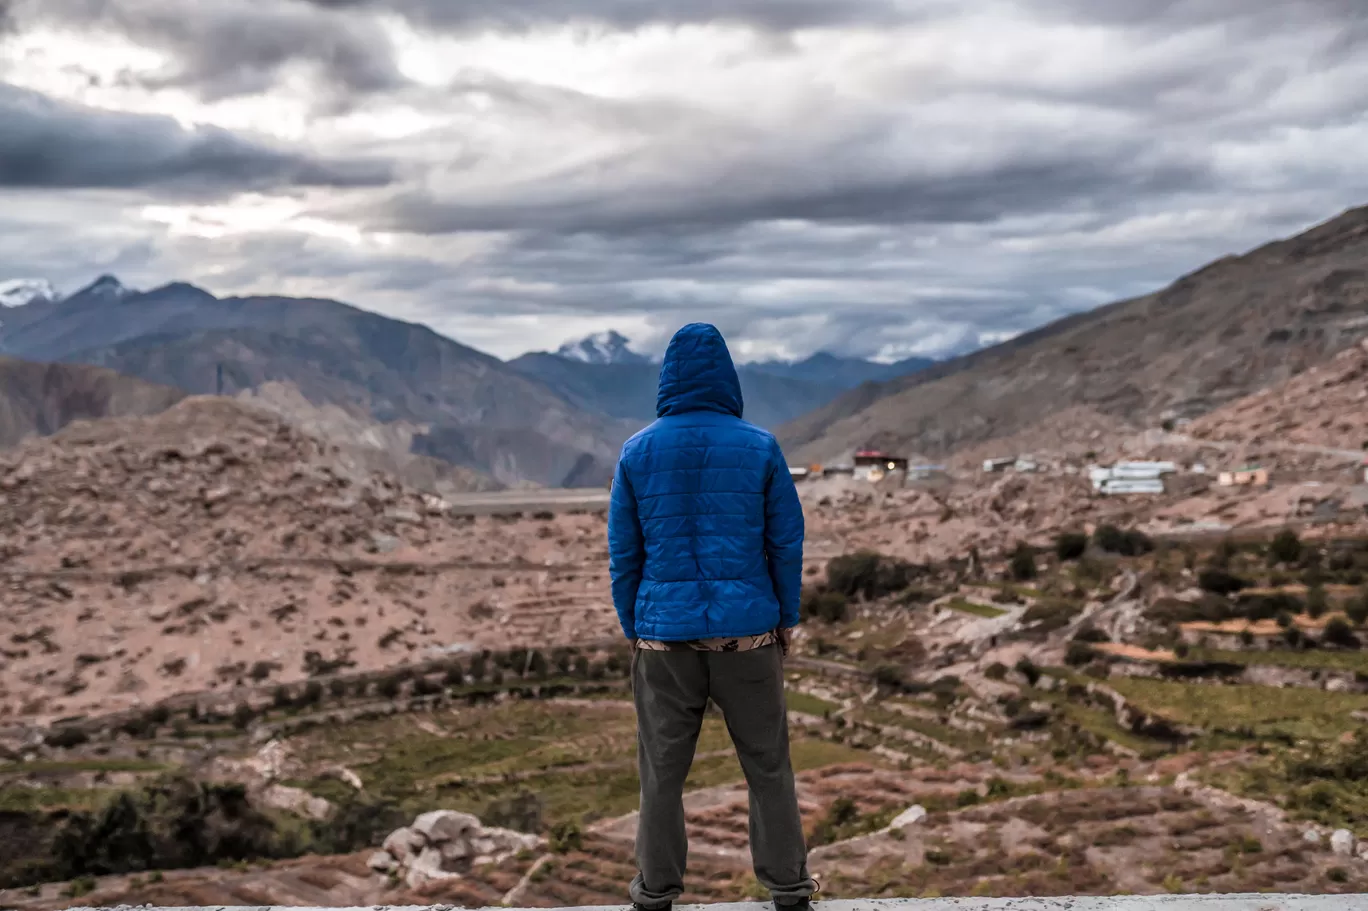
(1082, 150)
(54, 145)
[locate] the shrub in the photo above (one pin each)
(1220, 581)
(1130, 543)
(454, 675)
(171, 823)
(566, 837)
(1337, 632)
(995, 671)
(1026, 668)
(1070, 545)
(1285, 547)
(869, 574)
(1316, 601)
(389, 687)
(1357, 609)
(1023, 562)
(242, 716)
(1078, 654)
(1090, 633)
(829, 606)
(66, 738)
(537, 667)
(313, 693)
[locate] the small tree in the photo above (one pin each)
(1026, 668)
(1285, 547)
(1357, 609)
(1070, 545)
(1023, 562)
(1219, 581)
(537, 667)
(1338, 633)
(1316, 601)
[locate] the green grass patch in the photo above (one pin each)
(31, 800)
(1311, 659)
(81, 765)
(1296, 712)
(969, 741)
(977, 610)
(808, 705)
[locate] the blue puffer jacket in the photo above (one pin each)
(705, 531)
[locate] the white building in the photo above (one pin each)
(1131, 477)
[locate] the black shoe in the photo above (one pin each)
(802, 904)
(638, 906)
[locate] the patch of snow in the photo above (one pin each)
(609, 347)
(19, 292)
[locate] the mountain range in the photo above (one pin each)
(601, 374)
(1233, 327)
(1237, 325)
(471, 409)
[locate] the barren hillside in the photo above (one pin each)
(39, 399)
(215, 544)
(1217, 335)
(1327, 406)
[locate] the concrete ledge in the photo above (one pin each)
(1106, 903)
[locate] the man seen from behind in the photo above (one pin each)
(705, 539)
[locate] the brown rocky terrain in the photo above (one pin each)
(1214, 336)
(40, 399)
(1326, 405)
(215, 544)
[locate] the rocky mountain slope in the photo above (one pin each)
(1325, 406)
(39, 399)
(624, 387)
(473, 409)
(144, 557)
(1216, 335)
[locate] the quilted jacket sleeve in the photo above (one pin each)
(626, 550)
(784, 538)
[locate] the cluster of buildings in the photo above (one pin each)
(873, 465)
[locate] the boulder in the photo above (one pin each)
(382, 862)
(426, 867)
(442, 826)
(1343, 843)
(1311, 836)
(909, 817)
(399, 844)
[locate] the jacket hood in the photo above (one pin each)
(697, 374)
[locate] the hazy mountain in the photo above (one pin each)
(774, 392)
(1222, 332)
(41, 399)
(844, 372)
(478, 411)
(602, 348)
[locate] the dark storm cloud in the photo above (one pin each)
(47, 144)
(812, 190)
(777, 15)
(224, 48)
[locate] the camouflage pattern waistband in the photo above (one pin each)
(724, 644)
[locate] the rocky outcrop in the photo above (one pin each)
(445, 844)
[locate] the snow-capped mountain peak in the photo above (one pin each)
(20, 291)
(602, 348)
(104, 286)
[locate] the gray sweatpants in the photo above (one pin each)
(671, 691)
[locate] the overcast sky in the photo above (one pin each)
(876, 177)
